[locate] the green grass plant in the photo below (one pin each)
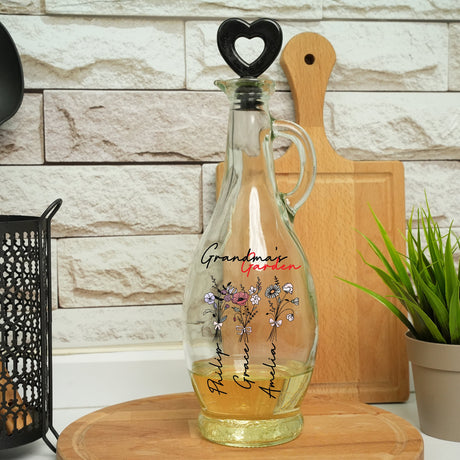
(424, 282)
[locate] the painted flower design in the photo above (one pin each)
(244, 302)
(228, 292)
(209, 298)
(240, 298)
(272, 291)
(255, 299)
(215, 299)
(245, 305)
(280, 306)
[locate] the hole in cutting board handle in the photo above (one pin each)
(309, 59)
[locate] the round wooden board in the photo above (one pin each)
(165, 427)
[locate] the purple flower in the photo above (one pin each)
(209, 298)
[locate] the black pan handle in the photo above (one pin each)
(11, 76)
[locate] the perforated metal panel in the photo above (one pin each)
(25, 328)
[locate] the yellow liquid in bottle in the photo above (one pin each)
(252, 408)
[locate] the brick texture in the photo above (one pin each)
(121, 119)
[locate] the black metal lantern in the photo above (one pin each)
(25, 329)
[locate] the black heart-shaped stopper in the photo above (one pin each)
(266, 29)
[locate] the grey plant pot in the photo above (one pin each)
(436, 370)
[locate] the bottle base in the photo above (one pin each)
(250, 433)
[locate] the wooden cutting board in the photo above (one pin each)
(361, 349)
(166, 427)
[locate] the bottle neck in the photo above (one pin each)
(249, 154)
(249, 158)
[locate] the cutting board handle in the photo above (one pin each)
(307, 61)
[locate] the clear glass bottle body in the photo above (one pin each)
(250, 309)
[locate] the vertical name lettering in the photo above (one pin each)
(216, 384)
(271, 390)
(245, 383)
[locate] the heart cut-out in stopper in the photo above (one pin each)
(234, 28)
(249, 49)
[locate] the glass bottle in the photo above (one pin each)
(250, 309)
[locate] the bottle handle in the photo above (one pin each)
(296, 134)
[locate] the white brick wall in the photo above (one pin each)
(116, 121)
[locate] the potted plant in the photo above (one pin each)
(425, 283)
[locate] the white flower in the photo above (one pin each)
(288, 287)
(231, 290)
(255, 299)
(272, 291)
(252, 290)
(290, 317)
(295, 301)
(209, 298)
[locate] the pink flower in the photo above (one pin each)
(240, 298)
